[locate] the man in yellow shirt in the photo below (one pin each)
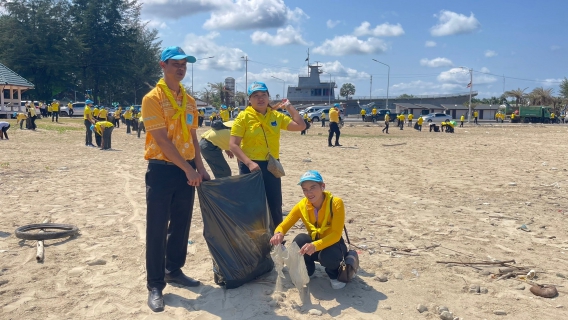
(88, 121)
(128, 119)
(103, 114)
(323, 119)
(323, 216)
(475, 114)
(141, 126)
(174, 170)
(49, 110)
(224, 114)
(374, 114)
(116, 117)
(387, 123)
(363, 113)
(212, 144)
(103, 132)
(462, 119)
(96, 112)
(32, 116)
(54, 111)
(70, 109)
(419, 123)
(21, 117)
(307, 121)
(200, 117)
(401, 119)
(334, 126)
(552, 118)
(410, 117)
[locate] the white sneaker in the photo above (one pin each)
(335, 284)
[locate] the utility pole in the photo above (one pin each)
(246, 78)
(470, 92)
(371, 88)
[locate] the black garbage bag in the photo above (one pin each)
(236, 228)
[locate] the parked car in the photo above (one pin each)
(380, 116)
(285, 112)
(316, 116)
(312, 109)
(208, 111)
(78, 109)
(436, 117)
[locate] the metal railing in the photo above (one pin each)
(446, 95)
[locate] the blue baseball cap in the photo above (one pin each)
(336, 105)
(176, 53)
(311, 175)
(256, 86)
(89, 102)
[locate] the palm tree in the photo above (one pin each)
(220, 89)
(241, 98)
(518, 94)
(205, 95)
(541, 96)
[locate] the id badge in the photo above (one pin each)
(189, 118)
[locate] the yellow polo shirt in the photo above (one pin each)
(387, 117)
(87, 112)
(420, 121)
(363, 112)
(248, 127)
(224, 115)
(158, 113)
(103, 124)
(475, 114)
(410, 117)
(219, 138)
(96, 112)
(374, 111)
(335, 223)
(49, 108)
(128, 114)
(20, 117)
(462, 118)
(103, 113)
(70, 106)
(333, 115)
(55, 106)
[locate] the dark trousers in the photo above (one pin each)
(273, 190)
(4, 133)
(323, 122)
(98, 139)
(386, 128)
(330, 258)
(135, 124)
(128, 124)
(32, 121)
(107, 138)
(363, 117)
(116, 122)
(43, 112)
(70, 113)
(475, 120)
(22, 123)
(140, 128)
(333, 129)
(55, 116)
(401, 125)
(200, 121)
(169, 203)
(410, 123)
(88, 133)
(461, 123)
(215, 159)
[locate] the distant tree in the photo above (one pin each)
(405, 96)
(541, 96)
(518, 94)
(564, 88)
(241, 98)
(347, 89)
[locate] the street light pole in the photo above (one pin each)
(283, 85)
(388, 79)
(470, 91)
(192, 72)
(246, 77)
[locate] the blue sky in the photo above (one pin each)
(424, 42)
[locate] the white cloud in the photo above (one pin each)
(423, 87)
(461, 76)
(490, 53)
(332, 23)
(341, 73)
(430, 44)
(157, 24)
(284, 60)
(551, 82)
(181, 8)
(344, 45)
(554, 47)
(382, 30)
(253, 14)
(450, 23)
(226, 58)
(436, 63)
(283, 36)
(266, 75)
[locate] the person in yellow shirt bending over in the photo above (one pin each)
(363, 113)
(410, 117)
(103, 132)
(323, 216)
(21, 117)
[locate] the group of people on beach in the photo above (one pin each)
(175, 169)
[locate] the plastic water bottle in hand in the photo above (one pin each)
(282, 104)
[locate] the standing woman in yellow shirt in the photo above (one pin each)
(323, 216)
(128, 119)
(256, 134)
(116, 117)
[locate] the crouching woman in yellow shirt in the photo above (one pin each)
(324, 218)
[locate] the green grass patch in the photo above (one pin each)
(4, 164)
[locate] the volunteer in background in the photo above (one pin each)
(20, 118)
(212, 144)
(70, 109)
(323, 216)
(363, 113)
(462, 119)
(387, 122)
(128, 119)
(200, 118)
(32, 116)
(374, 114)
(334, 126)
(54, 111)
(475, 114)
(141, 126)
(307, 121)
(88, 121)
(4, 126)
(419, 122)
(410, 117)
(96, 112)
(103, 114)
(116, 117)
(255, 133)
(174, 170)
(323, 119)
